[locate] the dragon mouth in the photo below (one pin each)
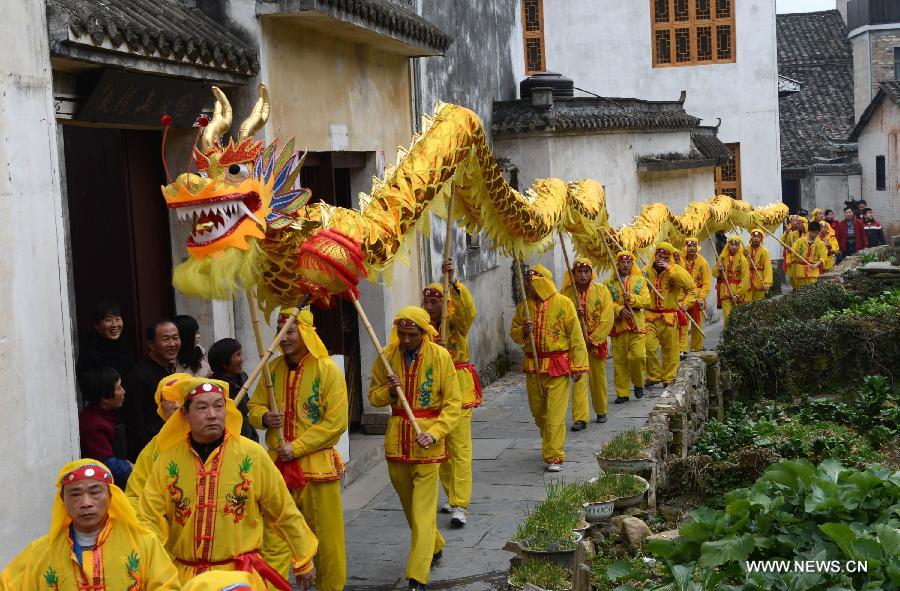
(216, 218)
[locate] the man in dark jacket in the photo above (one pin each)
(141, 420)
(874, 231)
(851, 235)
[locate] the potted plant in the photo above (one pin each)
(540, 573)
(548, 530)
(626, 452)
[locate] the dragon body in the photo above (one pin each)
(249, 218)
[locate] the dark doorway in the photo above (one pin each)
(790, 194)
(327, 175)
(119, 226)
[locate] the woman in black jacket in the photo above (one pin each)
(104, 346)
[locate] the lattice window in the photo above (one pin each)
(692, 32)
(533, 27)
(728, 176)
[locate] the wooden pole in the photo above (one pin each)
(581, 316)
(615, 272)
(267, 376)
(387, 366)
(448, 253)
(264, 360)
(724, 272)
(524, 297)
(795, 253)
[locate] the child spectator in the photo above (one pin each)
(98, 421)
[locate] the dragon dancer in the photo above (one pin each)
(682, 324)
(426, 374)
(594, 304)
(697, 267)
(815, 254)
(456, 472)
(733, 273)
(95, 541)
(760, 267)
(561, 355)
(629, 333)
(674, 291)
(312, 397)
(211, 493)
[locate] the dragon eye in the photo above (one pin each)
(237, 172)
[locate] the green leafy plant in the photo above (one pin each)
(794, 511)
(548, 527)
(886, 302)
(617, 574)
(541, 573)
(627, 445)
(609, 487)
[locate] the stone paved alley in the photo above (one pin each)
(509, 478)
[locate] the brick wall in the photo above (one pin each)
(883, 44)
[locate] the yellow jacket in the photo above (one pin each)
(816, 252)
(141, 472)
(462, 312)
(737, 269)
(431, 388)
(636, 285)
(557, 333)
(313, 399)
(599, 315)
(124, 558)
(698, 269)
(676, 286)
(760, 260)
(833, 248)
(237, 494)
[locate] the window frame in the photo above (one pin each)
(539, 35)
(735, 185)
(880, 173)
(692, 25)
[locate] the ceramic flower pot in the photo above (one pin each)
(595, 512)
(633, 500)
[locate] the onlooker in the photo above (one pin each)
(873, 229)
(141, 420)
(104, 346)
(861, 206)
(850, 233)
(829, 218)
(226, 359)
(102, 387)
(191, 356)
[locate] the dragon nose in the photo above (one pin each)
(194, 183)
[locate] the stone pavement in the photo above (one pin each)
(509, 479)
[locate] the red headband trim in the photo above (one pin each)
(87, 472)
(432, 293)
(206, 388)
(582, 266)
(625, 257)
(406, 323)
(690, 241)
(533, 273)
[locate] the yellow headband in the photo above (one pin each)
(542, 282)
(579, 262)
(418, 317)
(665, 246)
(173, 388)
(176, 429)
(307, 329)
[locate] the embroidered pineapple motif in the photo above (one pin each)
(311, 407)
(558, 327)
(134, 565)
(236, 501)
(425, 389)
(182, 505)
(52, 579)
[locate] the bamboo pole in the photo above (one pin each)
(267, 376)
(387, 365)
(795, 253)
(724, 272)
(264, 360)
(615, 272)
(524, 297)
(581, 310)
(448, 253)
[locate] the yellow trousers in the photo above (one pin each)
(549, 401)
(757, 295)
(629, 354)
(727, 306)
(596, 381)
(417, 487)
(456, 472)
(696, 335)
(320, 503)
(662, 336)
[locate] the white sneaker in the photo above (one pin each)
(445, 508)
(459, 517)
(554, 467)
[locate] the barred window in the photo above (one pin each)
(533, 27)
(728, 176)
(692, 32)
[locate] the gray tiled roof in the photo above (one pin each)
(162, 29)
(709, 145)
(814, 50)
(886, 90)
(581, 113)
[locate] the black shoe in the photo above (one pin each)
(638, 393)
(434, 560)
(620, 400)
(649, 384)
(579, 426)
(682, 356)
(415, 585)
(601, 418)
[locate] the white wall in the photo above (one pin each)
(881, 137)
(38, 422)
(605, 46)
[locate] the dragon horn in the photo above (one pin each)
(258, 116)
(220, 123)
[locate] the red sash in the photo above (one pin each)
(419, 413)
(292, 473)
(247, 562)
(479, 394)
(559, 363)
(682, 317)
